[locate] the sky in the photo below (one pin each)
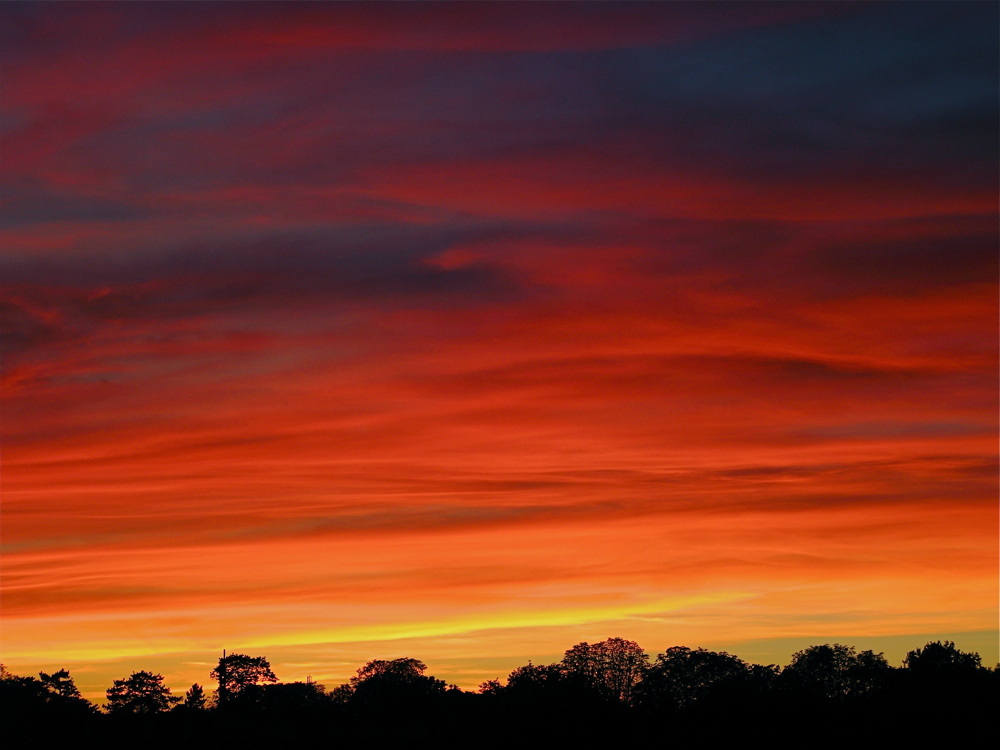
(468, 332)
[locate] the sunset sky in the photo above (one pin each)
(468, 332)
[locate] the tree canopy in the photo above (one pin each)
(395, 670)
(194, 698)
(391, 682)
(835, 670)
(534, 678)
(239, 676)
(937, 658)
(59, 683)
(614, 666)
(141, 693)
(680, 677)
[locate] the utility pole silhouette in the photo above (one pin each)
(223, 690)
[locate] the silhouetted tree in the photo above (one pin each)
(37, 713)
(821, 670)
(394, 682)
(59, 683)
(941, 659)
(341, 695)
(533, 679)
(553, 688)
(399, 670)
(550, 705)
(240, 677)
(141, 693)
(491, 687)
(194, 698)
(835, 671)
(20, 692)
(763, 676)
(55, 691)
(614, 667)
(869, 673)
(680, 677)
(945, 693)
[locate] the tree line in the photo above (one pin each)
(597, 694)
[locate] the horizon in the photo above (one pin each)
(468, 674)
(468, 332)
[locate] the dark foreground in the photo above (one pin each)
(600, 695)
